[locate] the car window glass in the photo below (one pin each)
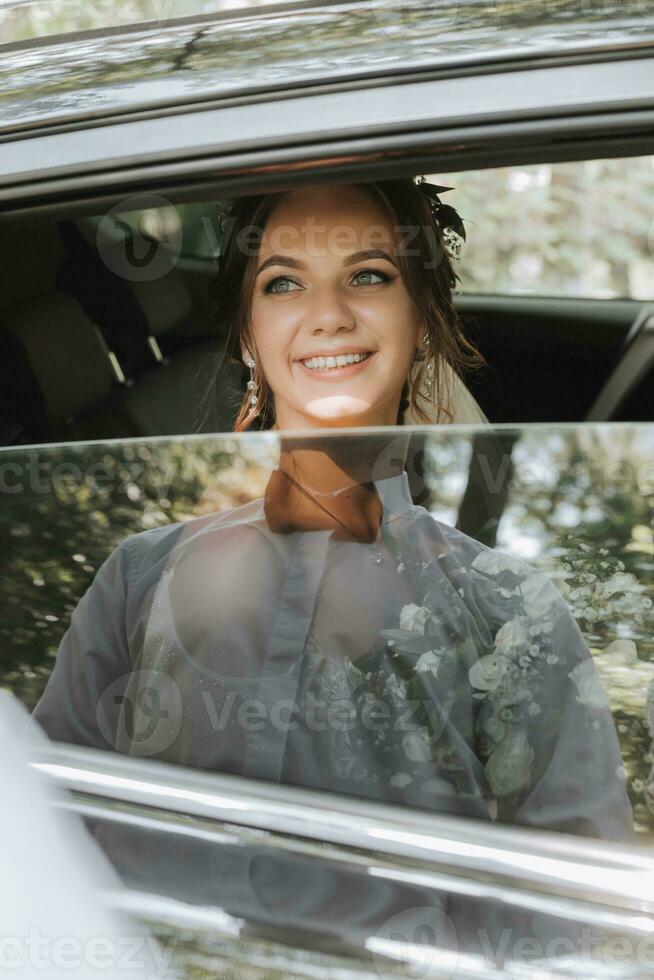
(540, 537)
(580, 229)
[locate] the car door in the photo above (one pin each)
(239, 877)
(237, 874)
(324, 884)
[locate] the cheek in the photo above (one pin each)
(273, 330)
(394, 322)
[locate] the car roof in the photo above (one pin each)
(294, 46)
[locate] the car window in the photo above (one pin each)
(514, 592)
(130, 294)
(580, 229)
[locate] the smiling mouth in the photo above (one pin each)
(336, 361)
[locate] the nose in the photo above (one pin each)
(330, 312)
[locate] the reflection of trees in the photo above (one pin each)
(575, 229)
(592, 513)
(580, 499)
(76, 505)
(578, 503)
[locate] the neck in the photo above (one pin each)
(333, 462)
(325, 465)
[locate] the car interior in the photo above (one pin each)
(91, 353)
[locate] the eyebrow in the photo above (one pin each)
(288, 260)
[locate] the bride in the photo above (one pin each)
(332, 634)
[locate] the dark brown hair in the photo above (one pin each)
(424, 264)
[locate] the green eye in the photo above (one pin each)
(370, 277)
(281, 284)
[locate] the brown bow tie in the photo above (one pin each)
(354, 514)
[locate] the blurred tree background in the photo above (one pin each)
(580, 507)
(64, 509)
(572, 229)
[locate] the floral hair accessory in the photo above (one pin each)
(449, 220)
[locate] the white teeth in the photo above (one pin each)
(340, 360)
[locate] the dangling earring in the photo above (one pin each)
(253, 395)
(429, 370)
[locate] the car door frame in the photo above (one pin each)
(588, 882)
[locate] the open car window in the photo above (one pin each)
(119, 335)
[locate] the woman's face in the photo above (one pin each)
(334, 328)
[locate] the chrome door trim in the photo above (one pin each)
(601, 873)
(430, 873)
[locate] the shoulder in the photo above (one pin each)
(504, 585)
(464, 552)
(145, 554)
(485, 563)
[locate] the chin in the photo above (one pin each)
(343, 410)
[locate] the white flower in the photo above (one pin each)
(538, 595)
(428, 663)
(494, 563)
(413, 618)
(589, 687)
(487, 673)
(534, 709)
(416, 746)
(512, 636)
(619, 582)
(400, 780)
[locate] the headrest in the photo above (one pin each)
(164, 302)
(66, 353)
